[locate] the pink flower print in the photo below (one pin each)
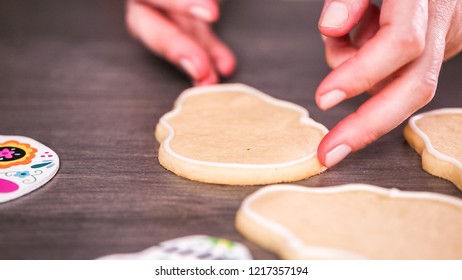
(6, 153)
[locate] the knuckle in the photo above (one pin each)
(368, 136)
(427, 88)
(171, 44)
(364, 133)
(367, 82)
(330, 61)
(412, 43)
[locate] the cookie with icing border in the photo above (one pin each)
(353, 221)
(436, 135)
(234, 134)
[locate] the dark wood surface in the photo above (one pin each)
(72, 78)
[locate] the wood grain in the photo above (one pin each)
(72, 78)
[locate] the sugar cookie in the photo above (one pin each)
(437, 135)
(25, 165)
(352, 222)
(194, 247)
(234, 134)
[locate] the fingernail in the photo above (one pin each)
(337, 154)
(332, 98)
(201, 13)
(336, 15)
(189, 67)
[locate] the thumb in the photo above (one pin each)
(338, 17)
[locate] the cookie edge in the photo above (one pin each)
(282, 241)
(433, 161)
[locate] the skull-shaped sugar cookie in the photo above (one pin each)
(25, 165)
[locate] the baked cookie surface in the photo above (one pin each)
(436, 135)
(352, 222)
(235, 134)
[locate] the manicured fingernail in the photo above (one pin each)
(188, 67)
(337, 154)
(332, 98)
(336, 15)
(201, 13)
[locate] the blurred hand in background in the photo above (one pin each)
(180, 31)
(395, 54)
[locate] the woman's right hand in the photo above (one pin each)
(396, 54)
(180, 32)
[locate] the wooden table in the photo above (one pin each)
(72, 78)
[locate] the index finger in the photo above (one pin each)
(401, 39)
(414, 87)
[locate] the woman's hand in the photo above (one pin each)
(179, 31)
(396, 54)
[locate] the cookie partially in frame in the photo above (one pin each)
(25, 166)
(193, 247)
(437, 136)
(353, 221)
(234, 134)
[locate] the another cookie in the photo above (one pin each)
(235, 134)
(195, 247)
(25, 165)
(352, 222)
(437, 136)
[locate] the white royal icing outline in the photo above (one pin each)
(426, 139)
(317, 252)
(304, 119)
